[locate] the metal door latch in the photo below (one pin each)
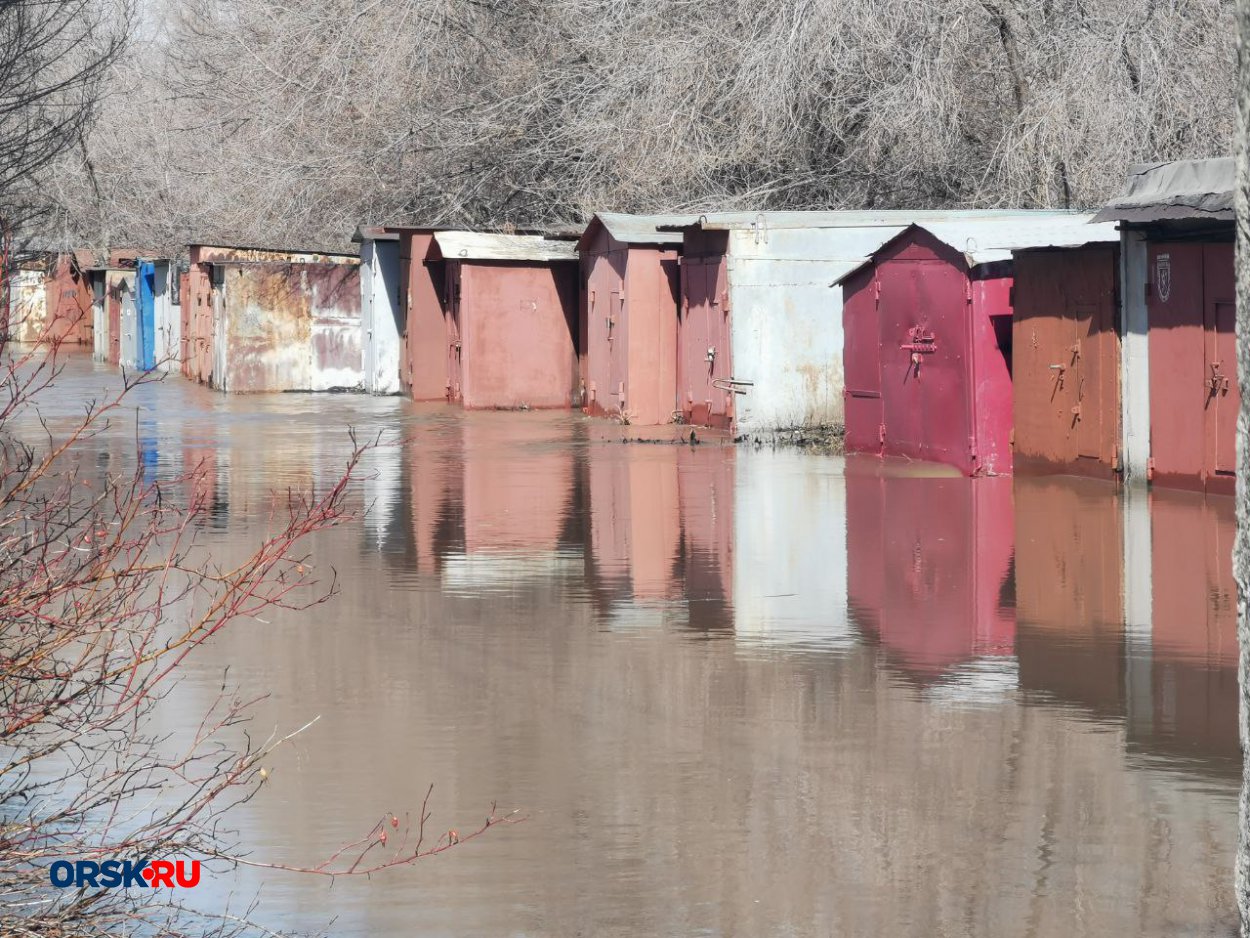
(1217, 382)
(922, 342)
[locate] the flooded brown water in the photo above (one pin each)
(735, 692)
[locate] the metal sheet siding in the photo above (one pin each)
(99, 315)
(145, 316)
(1066, 361)
(29, 305)
(113, 313)
(517, 334)
(334, 304)
(264, 332)
(129, 345)
(379, 313)
(120, 294)
(168, 319)
(785, 321)
(288, 327)
(787, 336)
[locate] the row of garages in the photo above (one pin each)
(987, 340)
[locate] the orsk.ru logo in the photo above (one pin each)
(125, 874)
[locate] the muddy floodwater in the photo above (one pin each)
(733, 692)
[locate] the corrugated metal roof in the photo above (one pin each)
(637, 229)
(373, 233)
(987, 240)
(481, 246)
(239, 246)
(1182, 189)
(900, 218)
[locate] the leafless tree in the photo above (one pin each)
(295, 121)
(105, 591)
(54, 58)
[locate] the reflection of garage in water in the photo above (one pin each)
(930, 567)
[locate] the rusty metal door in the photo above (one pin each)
(455, 335)
(114, 292)
(1096, 411)
(925, 362)
(1044, 389)
(1223, 398)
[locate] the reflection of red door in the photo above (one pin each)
(704, 344)
(1193, 695)
(930, 566)
(454, 334)
(1223, 399)
(704, 490)
(925, 361)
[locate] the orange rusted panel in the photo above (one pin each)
(69, 302)
(288, 327)
(197, 321)
(1066, 361)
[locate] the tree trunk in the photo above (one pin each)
(1241, 551)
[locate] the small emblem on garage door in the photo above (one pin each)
(1163, 276)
